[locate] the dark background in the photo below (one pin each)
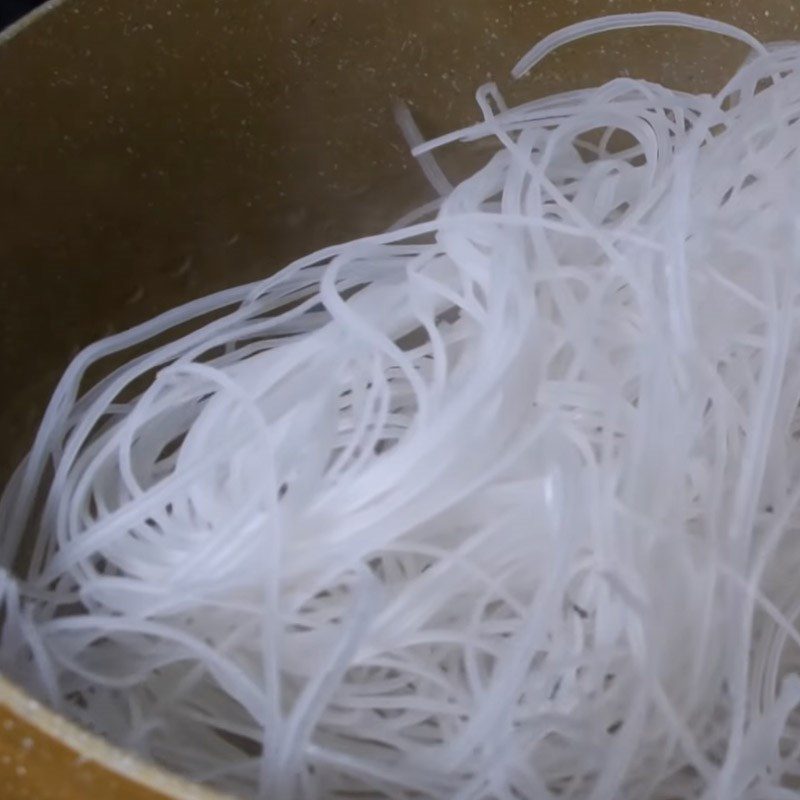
(11, 10)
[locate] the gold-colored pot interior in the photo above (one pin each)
(152, 151)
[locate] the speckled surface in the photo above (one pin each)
(43, 757)
(155, 150)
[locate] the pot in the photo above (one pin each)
(152, 151)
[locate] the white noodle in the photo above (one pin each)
(499, 503)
